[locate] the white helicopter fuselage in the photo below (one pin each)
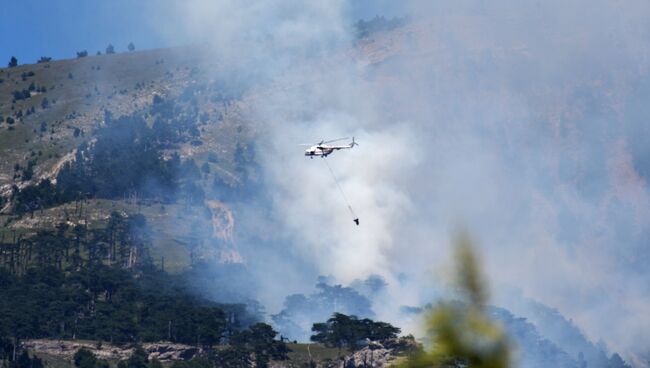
(323, 150)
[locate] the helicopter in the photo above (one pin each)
(322, 149)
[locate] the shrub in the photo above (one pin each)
(84, 358)
(21, 95)
(28, 173)
(205, 168)
(13, 62)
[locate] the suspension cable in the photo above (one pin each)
(354, 216)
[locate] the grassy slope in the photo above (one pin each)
(97, 82)
(122, 84)
(300, 354)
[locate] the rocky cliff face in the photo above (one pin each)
(373, 355)
(67, 349)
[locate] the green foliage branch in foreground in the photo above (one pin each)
(460, 332)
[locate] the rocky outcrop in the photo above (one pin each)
(378, 354)
(166, 352)
(371, 356)
(66, 349)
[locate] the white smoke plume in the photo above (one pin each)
(524, 121)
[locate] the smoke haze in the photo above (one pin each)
(523, 121)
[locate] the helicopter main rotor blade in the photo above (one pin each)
(335, 140)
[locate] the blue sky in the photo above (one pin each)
(59, 28)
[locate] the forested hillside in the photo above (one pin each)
(148, 197)
(96, 161)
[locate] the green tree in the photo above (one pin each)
(617, 362)
(347, 331)
(84, 358)
(232, 357)
(131, 46)
(155, 363)
(205, 168)
(110, 49)
(211, 326)
(138, 359)
(13, 62)
(24, 361)
(199, 362)
(28, 173)
(258, 340)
